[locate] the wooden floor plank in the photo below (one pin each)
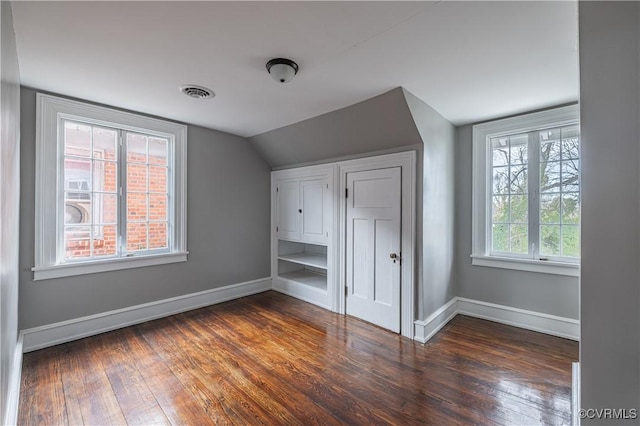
(271, 359)
(136, 401)
(179, 404)
(41, 383)
(97, 400)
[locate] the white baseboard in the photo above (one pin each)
(536, 321)
(425, 330)
(13, 393)
(66, 331)
(531, 320)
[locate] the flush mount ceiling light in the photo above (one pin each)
(196, 92)
(282, 70)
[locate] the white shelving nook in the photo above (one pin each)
(302, 233)
(303, 264)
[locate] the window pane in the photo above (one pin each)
(158, 179)
(136, 207)
(77, 242)
(105, 208)
(519, 208)
(500, 238)
(519, 238)
(550, 177)
(76, 209)
(510, 187)
(158, 207)
(571, 240)
(500, 180)
(105, 142)
(136, 237)
(158, 235)
(550, 208)
(77, 139)
(570, 142)
(550, 240)
(77, 174)
(570, 176)
(518, 183)
(158, 151)
(137, 177)
(519, 149)
(105, 176)
(500, 209)
(550, 149)
(571, 208)
(136, 148)
(147, 196)
(501, 142)
(105, 240)
(500, 157)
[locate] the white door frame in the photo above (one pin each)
(407, 162)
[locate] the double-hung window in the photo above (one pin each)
(526, 192)
(110, 189)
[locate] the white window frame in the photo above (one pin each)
(49, 262)
(481, 207)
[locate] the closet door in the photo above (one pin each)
(373, 246)
(288, 218)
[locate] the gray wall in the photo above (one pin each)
(610, 274)
(9, 202)
(380, 123)
(436, 212)
(550, 294)
(228, 233)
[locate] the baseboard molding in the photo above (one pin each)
(13, 394)
(567, 328)
(531, 320)
(78, 328)
(425, 330)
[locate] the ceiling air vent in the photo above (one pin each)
(197, 92)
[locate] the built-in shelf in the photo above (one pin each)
(307, 277)
(289, 240)
(302, 226)
(307, 259)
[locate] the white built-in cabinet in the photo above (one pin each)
(302, 233)
(300, 209)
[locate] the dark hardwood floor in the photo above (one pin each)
(271, 359)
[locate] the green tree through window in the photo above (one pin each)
(535, 193)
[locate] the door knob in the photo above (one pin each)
(394, 257)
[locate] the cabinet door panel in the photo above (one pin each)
(288, 205)
(313, 197)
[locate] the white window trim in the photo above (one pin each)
(481, 187)
(48, 112)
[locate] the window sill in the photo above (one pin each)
(68, 270)
(540, 266)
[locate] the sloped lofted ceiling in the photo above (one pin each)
(470, 61)
(377, 124)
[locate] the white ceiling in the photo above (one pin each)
(471, 61)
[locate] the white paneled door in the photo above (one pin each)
(373, 246)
